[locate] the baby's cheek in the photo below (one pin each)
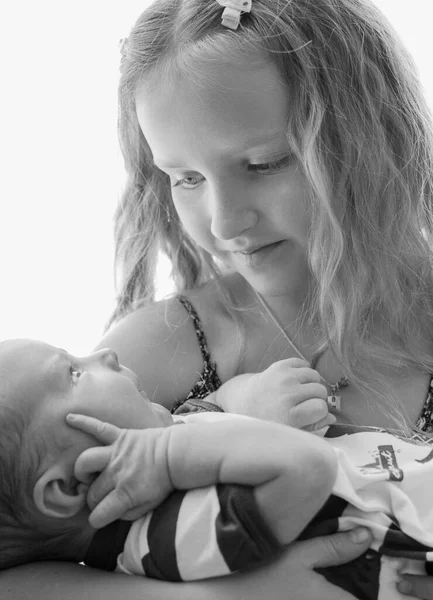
(128, 416)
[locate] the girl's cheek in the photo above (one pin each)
(194, 221)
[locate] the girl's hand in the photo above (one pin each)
(287, 392)
(132, 466)
(296, 567)
(417, 586)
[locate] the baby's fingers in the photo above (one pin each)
(114, 506)
(308, 413)
(294, 362)
(417, 586)
(106, 433)
(321, 427)
(90, 462)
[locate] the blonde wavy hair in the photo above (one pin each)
(359, 125)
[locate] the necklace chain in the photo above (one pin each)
(334, 401)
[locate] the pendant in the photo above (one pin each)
(343, 382)
(334, 402)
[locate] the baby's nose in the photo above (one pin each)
(109, 357)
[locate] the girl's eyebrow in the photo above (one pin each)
(249, 144)
(161, 164)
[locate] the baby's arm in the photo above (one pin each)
(287, 392)
(291, 471)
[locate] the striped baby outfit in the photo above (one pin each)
(382, 483)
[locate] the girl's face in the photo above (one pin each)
(237, 188)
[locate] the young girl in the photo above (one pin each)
(285, 167)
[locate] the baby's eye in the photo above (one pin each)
(75, 374)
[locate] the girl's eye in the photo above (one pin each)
(188, 183)
(75, 374)
(275, 165)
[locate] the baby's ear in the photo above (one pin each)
(58, 494)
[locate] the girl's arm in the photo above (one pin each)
(289, 577)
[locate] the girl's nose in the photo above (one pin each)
(231, 216)
(108, 357)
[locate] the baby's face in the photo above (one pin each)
(50, 383)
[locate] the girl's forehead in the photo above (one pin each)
(224, 75)
(228, 107)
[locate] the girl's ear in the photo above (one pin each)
(58, 494)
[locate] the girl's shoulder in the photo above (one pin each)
(217, 301)
(158, 341)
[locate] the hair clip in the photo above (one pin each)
(233, 10)
(123, 46)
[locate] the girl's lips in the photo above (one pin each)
(259, 256)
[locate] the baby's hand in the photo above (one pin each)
(133, 476)
(290, 392)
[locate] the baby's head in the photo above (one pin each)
(43, 511)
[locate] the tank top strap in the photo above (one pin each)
(209, 380)
(425, 420)
(201, 338)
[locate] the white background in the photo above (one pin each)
(61, 171)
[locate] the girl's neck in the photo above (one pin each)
(289, 307)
